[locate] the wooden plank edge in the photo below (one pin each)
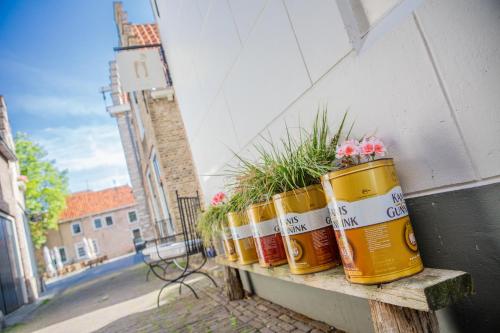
(450, 291)
(433, 297)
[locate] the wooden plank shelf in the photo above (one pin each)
(430, 290)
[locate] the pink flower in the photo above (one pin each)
(378, 147)
(340, 152)
(372, 146)
(22, 178)
(367, 147)
(218, 199)
(350, 148)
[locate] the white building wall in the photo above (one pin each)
(430, 86)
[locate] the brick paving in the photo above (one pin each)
(213, 313)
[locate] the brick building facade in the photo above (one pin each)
(153, 136)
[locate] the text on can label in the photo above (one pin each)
(266, 228)
(365, 212)
(299, 223)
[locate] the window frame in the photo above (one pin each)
(155, 165)
(65, 254)
(136, 216)
(93, 223)
(73, 233)
(140, 232)
(106, 221)
(96, 246)
(77, 246)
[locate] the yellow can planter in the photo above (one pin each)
(306, 229)
(242, 238)
(267, 235)
(371, 223)
(229, 248)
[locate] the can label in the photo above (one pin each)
(265, 228)
(226, 233)
(241, 232)
(298, 223)
(270, 249)
(370, 211)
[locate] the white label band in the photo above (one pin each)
(362, 213)
(299, 223)
(226, 234)
(243, 231)
(266, 228)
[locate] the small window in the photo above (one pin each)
(132, 216)
(76, 228)
(97, 223)
(95, 246)
(109, 221)
(80, 250)
(62, 254)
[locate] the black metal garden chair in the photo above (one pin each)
(172, 249)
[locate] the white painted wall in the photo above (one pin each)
(430, 87)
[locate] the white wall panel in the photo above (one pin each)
(382, 100)
(218, 48)
(269, 74)
(203, 6)
(464, 37)
(245, 15)
(216, 140)
(393, 89)
(320, 32)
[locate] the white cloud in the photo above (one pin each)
(55, 105)
(93, 155)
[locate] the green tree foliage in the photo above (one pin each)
(46, 189)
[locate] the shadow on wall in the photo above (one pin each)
(460, 230)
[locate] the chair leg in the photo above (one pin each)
(147, 274)
(161, 291)
(190, 288)
(208, 276)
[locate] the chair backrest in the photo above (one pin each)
(189, 209)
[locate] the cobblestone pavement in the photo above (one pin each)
(213, 313)
(124, 302)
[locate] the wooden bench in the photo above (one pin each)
(96, 261)
(406, 305)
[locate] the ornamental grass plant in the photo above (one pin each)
(292, 164)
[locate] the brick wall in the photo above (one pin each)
(164, 135)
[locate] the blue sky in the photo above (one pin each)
(53, 59)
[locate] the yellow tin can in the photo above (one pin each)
(227, 241)
(305, 225)
(242, 238)
(371, 223)
(267, 235)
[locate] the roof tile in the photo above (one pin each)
(86, 203)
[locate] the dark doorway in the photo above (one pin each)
(10, 291)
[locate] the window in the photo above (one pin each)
(154, 204)
(80, 250)
(132, 216)
(137, 111)
(367, 20)
(76, 228)
(95, 246)
(97, 223)
(109, 221)
(62, 254)
(137, 236)
(162, 195)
